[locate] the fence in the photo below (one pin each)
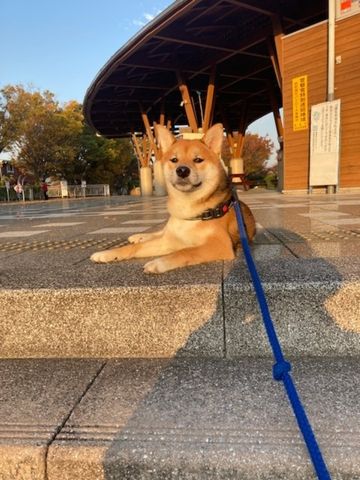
(71, 191)
(78, 191)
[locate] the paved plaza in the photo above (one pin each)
(89, 224)
(116, 215)
(323, 211)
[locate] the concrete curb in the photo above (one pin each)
(211, 320)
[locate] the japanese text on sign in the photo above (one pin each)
(300, 103)
(325, 143)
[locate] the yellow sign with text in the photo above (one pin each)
(300, 103)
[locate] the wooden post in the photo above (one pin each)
(278, 34)
(159, 179)
(150, 134)
(143, 152)
(241, 133)
(280, 134)
(187, 103)
(237, 144)
(276, 111)
(210, 101)
(162, 114)
(137, 148)
(275, 62)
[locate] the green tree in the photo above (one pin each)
(104, 160)
(48, 139)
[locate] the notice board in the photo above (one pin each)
(346, 8)
(300, 103)
(325, 144)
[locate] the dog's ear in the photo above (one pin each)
(214, 137)
(164, 137)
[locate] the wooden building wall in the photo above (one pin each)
(305, 53)
(347, 85)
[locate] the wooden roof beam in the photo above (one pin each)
(250, 41)
(239, 102)
(205, 11)
(243, 77)
(255, 6)
(143, 85)
(194, 43)
(151, 66)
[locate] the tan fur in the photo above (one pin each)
(184, 241)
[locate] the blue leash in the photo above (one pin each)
(282, 367)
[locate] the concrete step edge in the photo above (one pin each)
(186, 419)
(162, 321)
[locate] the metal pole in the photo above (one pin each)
(331, 64)
(331, 52)
(201, 108)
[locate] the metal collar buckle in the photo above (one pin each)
(217, 212)
(207, 215)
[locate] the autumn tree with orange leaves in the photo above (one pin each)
(256, 152)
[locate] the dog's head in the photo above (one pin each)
(192, 165)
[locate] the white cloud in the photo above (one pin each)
(138, 23)
(145, 18)
(149, 16)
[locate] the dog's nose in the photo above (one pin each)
(183, 171)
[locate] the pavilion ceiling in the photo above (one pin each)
(186, 42)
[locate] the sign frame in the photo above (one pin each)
(325, 144)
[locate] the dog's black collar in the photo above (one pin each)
(217, 212)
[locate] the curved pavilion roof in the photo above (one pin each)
(189, 38)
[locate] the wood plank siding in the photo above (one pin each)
(305, 53)
(347, 87)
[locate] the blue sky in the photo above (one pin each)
(60, 45)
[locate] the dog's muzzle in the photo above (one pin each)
(183, 171)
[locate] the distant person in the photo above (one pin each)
(19, 191)
(44, 189)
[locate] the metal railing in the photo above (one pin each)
(31, 192)
(78, 191)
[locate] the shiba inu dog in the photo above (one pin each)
(202, 226)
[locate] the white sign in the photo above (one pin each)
(346, 8)
(325, 144)
(64, 188)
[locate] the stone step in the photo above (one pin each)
(174, 418)
(112, 311)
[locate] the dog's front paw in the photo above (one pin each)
(155, 266)
(105, 256)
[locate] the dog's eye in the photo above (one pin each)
(173, 160)
(198, 160)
